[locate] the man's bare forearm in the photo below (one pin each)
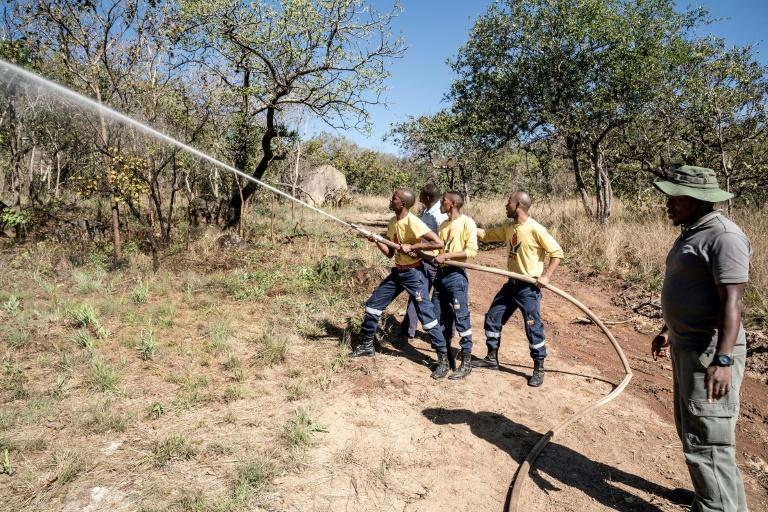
(553, 264)
(730, 317)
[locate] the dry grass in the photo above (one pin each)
(202, 348)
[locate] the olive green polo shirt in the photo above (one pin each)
(711, 251)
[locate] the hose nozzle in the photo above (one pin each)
(368, 234)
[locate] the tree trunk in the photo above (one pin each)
(295, 177)
(603, 189)
(117, 243)
(573, 150)
(237, 199)
(58, 175)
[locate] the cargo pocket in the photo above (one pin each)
(713, 423)
(705, 359)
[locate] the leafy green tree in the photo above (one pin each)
(327, 57)
(714, 115)
(94, 47)
(577, 70)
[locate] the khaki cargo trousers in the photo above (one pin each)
(708, 430)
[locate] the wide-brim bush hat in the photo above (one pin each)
(697, 182)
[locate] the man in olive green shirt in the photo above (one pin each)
(706, 274)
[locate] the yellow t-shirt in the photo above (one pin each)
(459, 235)
(528, 243)
(406, 231)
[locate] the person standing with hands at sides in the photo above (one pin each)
(528, 243)
(432, 217)
(707, 270)
(411, 234)
(451, 294)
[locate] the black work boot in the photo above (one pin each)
(489, 361)
(442, 366)
(463, 370)
(364, 348)
(537, 379)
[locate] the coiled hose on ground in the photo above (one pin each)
(516, 487)
(518, 483)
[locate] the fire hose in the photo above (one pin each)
(518, 483)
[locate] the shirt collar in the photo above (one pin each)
(434, 210)
(701, 221)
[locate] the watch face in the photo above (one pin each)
(723, 360)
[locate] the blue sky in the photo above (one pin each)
(434, 30)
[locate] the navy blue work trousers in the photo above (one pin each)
(411, 319)
(451, 299)
(512, 296)
(414, 282)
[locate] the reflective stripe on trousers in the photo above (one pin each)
(515, 295)
(413, 282)
(451, 300)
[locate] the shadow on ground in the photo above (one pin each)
(560, 463)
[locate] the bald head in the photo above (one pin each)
(407, 197)
(451, 203)
(518, 205)
(522, 198)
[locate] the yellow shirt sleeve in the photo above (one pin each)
(494, 234)
(547, 242)
(469, 238)
(417, 227)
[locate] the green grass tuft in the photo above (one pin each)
(219, 334)
(147, 347)
(270, 350)
(140, 292)
(102, 418)
(15, 380)
(295, 391)
(172, 448)
(233, 392)
(299, 432)
(84, 316)
(83, 339)
(254, 477)
(67, 465)
(12, 305)
(16, 337)
(89, 282)
(190, 394)
(103, 377)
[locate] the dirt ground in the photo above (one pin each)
(397, 440)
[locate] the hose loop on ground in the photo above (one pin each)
(518, 483)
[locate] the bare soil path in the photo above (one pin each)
(399, 441)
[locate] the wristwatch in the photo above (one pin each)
(722, 360)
